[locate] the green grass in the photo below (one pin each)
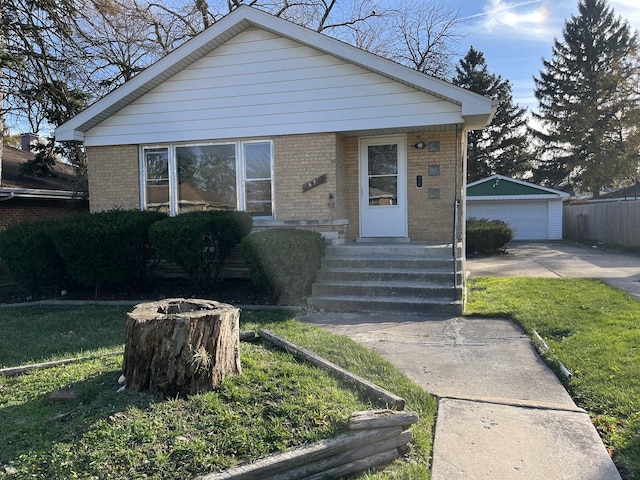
(279, 401)
(368, 364)
(592, 329)
(36, 334)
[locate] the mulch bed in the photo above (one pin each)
(236, 291)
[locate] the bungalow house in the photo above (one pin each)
(297, 128)
(28, 197)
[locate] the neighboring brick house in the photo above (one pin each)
(262, 115)
(25, 197)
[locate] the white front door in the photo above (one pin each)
(383, 187)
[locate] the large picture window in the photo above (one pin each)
(183, 178)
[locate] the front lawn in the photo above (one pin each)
(594, 330)
(279, 401)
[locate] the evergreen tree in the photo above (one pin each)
(589, 102)
(502, 147)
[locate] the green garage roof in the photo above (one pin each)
(499, 185)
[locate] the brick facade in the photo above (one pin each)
(114, 177)
(431, 218)
(297, 160)
(332, 206)
(25, 209)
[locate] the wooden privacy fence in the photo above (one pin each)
(616, 222)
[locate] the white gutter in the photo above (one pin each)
(9, 194)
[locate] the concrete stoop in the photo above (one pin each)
(409, 278)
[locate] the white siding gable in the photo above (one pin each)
(261, 84)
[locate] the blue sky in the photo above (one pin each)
(515, 35)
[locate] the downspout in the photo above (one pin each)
(456, 203)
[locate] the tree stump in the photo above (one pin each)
(181, 346)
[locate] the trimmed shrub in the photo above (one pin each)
(107, 248)
(199, 242)
(487, 236)
(28, 252)
(285, 261)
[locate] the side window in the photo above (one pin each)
(257, 179)
(156, 164)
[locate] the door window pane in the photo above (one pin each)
(383, 159)
(156, 161)
(383, 191)
(383, 174)
(206, 177)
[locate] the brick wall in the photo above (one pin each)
(24, 209)
(297, 160)
(113, 177)
(431, 218)
(352, 186)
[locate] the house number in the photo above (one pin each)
(314, 183)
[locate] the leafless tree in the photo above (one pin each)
(424, 36)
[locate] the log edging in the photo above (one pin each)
(22, 369)
(373, 438)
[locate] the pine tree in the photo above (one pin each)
(589, 104)
(502, 147)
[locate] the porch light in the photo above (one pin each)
(420, 145)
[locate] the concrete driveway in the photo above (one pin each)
(560, 259)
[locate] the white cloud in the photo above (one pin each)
(627, 9)
(532, 19)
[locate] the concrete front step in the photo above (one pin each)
(389, 277)
(385, 263)
(391, 250)
(347, 274)
(431, 306)
(419, 290)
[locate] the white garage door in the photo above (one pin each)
(530, 220)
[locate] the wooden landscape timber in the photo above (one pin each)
(373, 438)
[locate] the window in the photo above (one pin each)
(257, 179)
(206, 177)
(184, 178)
(156, 164)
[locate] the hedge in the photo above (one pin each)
(30, 256)
(107, 248)
(284, 261)
(199, 242)
(486, 236)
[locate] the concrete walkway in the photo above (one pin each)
(502, 412)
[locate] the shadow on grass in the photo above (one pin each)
(33, 425)
(35, 334)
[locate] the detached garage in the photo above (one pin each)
(533, 211)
